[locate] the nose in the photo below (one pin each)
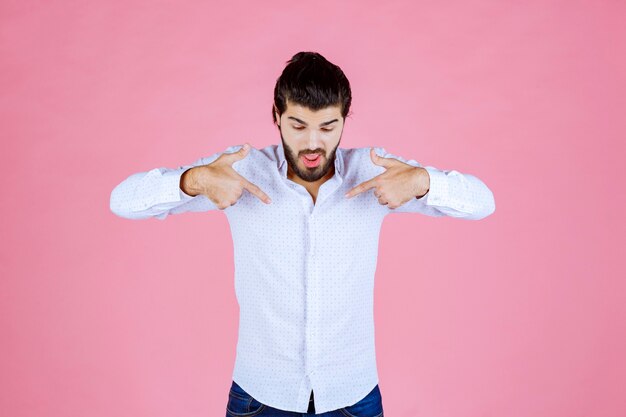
(314, 141)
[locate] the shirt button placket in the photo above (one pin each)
(311, 302)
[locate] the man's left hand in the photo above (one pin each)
(398, 184)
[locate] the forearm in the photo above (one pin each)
(148, 194)
(458, 195)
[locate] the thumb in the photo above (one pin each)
(379, 160)
(238, 155)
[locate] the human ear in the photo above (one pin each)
(277, 116)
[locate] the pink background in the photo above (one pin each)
(519, 314)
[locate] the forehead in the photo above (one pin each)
(306, 114)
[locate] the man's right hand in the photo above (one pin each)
(219, 181)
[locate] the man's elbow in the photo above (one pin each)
(114, 204)
(117, 206)
(489, 209)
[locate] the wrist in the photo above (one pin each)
(423, 182)
(187, 182)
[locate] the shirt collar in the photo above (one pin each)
(282, 162)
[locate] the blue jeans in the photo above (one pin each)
(242, 404)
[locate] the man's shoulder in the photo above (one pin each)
(358, 162)
(268, 153)
(362, 150)
(257, 158)
(360, 155)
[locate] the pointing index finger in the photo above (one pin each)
(364, 186)
(254, 189)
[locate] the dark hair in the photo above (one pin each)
(312, 81)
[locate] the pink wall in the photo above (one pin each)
(519, 314)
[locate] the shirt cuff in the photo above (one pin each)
(170, 187)
(437, 194)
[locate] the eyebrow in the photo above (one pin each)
(306, 124)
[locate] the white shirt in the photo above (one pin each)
(304, 272)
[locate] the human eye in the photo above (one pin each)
(298, 127)
(327, 129)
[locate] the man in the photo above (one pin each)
(305, 217)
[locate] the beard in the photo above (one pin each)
(309, 174)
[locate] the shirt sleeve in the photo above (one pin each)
(157, 193)
(451, 193)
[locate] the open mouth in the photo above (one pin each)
(311, 160)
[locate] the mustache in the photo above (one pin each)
(313, 153)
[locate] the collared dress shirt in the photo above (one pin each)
(304, 271)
